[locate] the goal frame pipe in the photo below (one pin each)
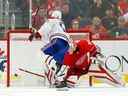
(75, 31)
(26, 31)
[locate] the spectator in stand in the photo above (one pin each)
(97, 29)
(123, 6)
(110, 20)
(114, 1)
(125, 16)
(67, 16)
(85, 21)
(21, 10)
(99, 7)
(77, 9)
(120, 31)
(75, 24)
(115, 9)
(80, 8)
(39, 13)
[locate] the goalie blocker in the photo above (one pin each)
(35, 34)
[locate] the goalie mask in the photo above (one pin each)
(72, 47)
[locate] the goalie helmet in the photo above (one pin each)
(56, 14)
(72, 46)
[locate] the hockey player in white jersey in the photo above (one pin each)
(55, 44)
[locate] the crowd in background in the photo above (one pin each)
(16, 11)
(106, 19)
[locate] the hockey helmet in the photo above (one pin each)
(56, 14)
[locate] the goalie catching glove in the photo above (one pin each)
(34, 34)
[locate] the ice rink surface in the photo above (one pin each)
(13, 91)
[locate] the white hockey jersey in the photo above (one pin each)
(53, 28)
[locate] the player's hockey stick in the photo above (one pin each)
(24, 70)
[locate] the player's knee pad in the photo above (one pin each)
(50, 63)
(50, 69)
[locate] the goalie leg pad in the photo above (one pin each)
(71, 81)
(62, 73)
(54, 71)
(50, 69)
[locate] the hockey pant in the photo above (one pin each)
(57, 49)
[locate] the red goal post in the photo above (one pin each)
(21, 36)
(80, 34)
(25, 31)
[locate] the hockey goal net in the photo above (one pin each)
(25, 66)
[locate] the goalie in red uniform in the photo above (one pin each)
(78, 59)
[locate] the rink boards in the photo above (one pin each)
(27, 55)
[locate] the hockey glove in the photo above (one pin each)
(37, 35)
(34, 35)
(31, 37)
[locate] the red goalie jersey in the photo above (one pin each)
(79, 61)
